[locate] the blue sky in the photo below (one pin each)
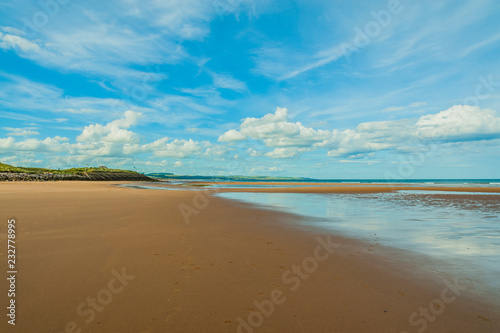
(322, 89)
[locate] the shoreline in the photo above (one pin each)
(229, 257)
(321, 187)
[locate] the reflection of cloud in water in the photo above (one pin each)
(462, 228)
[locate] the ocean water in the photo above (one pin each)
(420, 182)
(459, 232)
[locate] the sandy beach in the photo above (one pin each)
(94, 257)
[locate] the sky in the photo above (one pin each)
(305, 88)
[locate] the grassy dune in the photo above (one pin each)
(72, 171)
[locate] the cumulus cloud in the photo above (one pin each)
(290, 139)
(287, 139)
(460, 122)
(179, 148)
(7, 143)
(231, 136)
(114, 131)
(55, 144)
(114, 139)
(288, 152)
(276, 131)
(254, 153)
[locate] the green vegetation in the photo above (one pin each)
(72, 171)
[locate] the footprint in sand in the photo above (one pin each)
(227, 322)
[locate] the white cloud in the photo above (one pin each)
(14, 42)
(19, 93)
(460, 122)
(114, 131)
(56, 144)
(253, 153)
(117, 44)
(7, 143)
(276, 131)
(179, 148)
(288, 152)
(287, 139)
(20, 131)
(290, 139)
(226, 81)
(12, 31)
(113, 140)
(401, 108)
(417, 104)
(231, 136)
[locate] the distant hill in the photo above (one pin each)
(224, 178)
(9, 172)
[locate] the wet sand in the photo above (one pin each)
(99, 258)
(345, 188)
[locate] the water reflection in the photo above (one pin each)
(461, 228)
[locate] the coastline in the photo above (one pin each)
(293, 187)
(205, 274)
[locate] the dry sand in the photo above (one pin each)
(203, 276)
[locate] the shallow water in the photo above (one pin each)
(461, 230)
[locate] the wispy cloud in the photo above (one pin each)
(30, 131)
